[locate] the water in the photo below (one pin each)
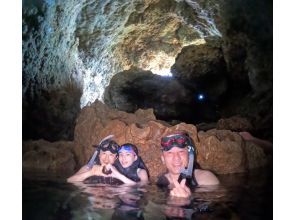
(241, 196)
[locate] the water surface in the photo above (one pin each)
(240, 196)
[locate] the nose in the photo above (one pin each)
(177, 156)
(123, 158)
(106, 159)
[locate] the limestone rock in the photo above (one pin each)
(255, 156)
(224, 151)
(203, 66)
(142, 129)
(136, 88)
(48, 156)
(221, 151)
(234, 123)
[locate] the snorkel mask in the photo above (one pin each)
(180, 140)
(130, 148)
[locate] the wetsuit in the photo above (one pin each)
(131, 171)
(103, 180)
(163, 182)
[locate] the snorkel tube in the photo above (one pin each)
(93, 159)
(187, 173)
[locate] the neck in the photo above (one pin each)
(173, 177)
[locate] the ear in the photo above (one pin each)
(162, 159)
(136, 157)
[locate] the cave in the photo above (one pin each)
(135, 68)
(74, 54)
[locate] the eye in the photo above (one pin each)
(182, 152)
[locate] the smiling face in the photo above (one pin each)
(126, 158)
(175, 159)
(106, 157)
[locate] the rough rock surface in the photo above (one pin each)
(51, 114)
(85, 43)
(234, 123)
(136, 88)
(221, 151)
(48, 156)
(224, 151)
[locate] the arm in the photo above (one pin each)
(116, 174)
(84, 173)
(205, 177)
(143, 176)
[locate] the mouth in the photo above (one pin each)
(178, 165)
(124, 164)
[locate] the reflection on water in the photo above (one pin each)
(241, 196)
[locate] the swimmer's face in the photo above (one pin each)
(106, 157)
(175, 159)
(127, 158)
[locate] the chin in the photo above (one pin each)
(125, 166)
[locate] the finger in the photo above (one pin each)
(183, 183)
(172, 193)
(188, 191)
(176, 183)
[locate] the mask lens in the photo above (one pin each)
(170, 141)
(109, 146)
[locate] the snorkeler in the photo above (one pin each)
(177, 150)
(95, 171)
(130, 164)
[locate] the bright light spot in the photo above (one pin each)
(159, 64)
(163, 72)
(200, 97)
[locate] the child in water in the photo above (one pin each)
(130, 164)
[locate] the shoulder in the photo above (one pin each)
(205, 177)
(142, 173)
(163, 181)
(139, 170)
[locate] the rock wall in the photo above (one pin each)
(221, 151)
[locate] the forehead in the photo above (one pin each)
(107, 152)
(123, 151)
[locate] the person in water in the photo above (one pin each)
(267, 146)
(130, 164)
(98, 168)
(176, 150)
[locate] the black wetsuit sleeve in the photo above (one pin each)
(162, 181)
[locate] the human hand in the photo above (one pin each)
(180, 189)
(96, 170)
(114, 172)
